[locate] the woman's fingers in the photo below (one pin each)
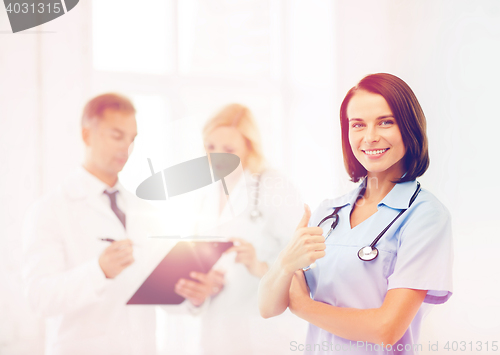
(188, 293)
(317, 255)
(237, 240)
(191, 288)
(310, 239)
(203, 278)
(210, 280)
(313, 245)
(239, 245)
(243, 258)
(311, 231)
(243, 248)
(217, 274)
(237, 249)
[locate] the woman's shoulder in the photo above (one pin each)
(426, 212)
(427, 203)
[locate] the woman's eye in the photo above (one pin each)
(357, 125)
(386, 122)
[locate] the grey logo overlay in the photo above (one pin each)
(24, 14)
(188, 176)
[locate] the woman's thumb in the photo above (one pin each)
(305, 218)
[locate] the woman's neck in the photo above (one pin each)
(378, 185)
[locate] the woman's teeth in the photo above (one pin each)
(374, 152)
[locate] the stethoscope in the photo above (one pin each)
(369, 252)
(255, 213)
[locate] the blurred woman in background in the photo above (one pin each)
(259, 215)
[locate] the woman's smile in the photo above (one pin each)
(375, 153)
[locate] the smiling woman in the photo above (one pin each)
(349, 298)
(378, 112)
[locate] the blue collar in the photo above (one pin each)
(397, 198)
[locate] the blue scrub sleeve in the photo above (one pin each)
(425, 253)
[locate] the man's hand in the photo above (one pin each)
(246, 255)
(196, 292)
(115, 258)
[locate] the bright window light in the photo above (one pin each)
(152, 124)
(131, 36)
(225, 38)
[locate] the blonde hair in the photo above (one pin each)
(241, 118)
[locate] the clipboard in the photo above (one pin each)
(184, 257)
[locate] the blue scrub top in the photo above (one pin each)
(416, 252)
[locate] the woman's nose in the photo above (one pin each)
(371, 135)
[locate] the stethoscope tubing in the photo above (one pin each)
(370, 252)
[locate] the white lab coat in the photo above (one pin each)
(231, 324)
(85, 312)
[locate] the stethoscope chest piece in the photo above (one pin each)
(255, 215)
(367, 253)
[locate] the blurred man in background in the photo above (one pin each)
(86, 249)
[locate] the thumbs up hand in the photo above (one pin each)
(306, 246)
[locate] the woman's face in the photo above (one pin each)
(227, 139)
(374, 134)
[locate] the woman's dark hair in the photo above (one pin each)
(409, 117)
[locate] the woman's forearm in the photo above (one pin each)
(273, 290)
(349, 323)
(386, 324)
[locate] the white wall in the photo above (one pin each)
(43, 81)
(20, 127)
